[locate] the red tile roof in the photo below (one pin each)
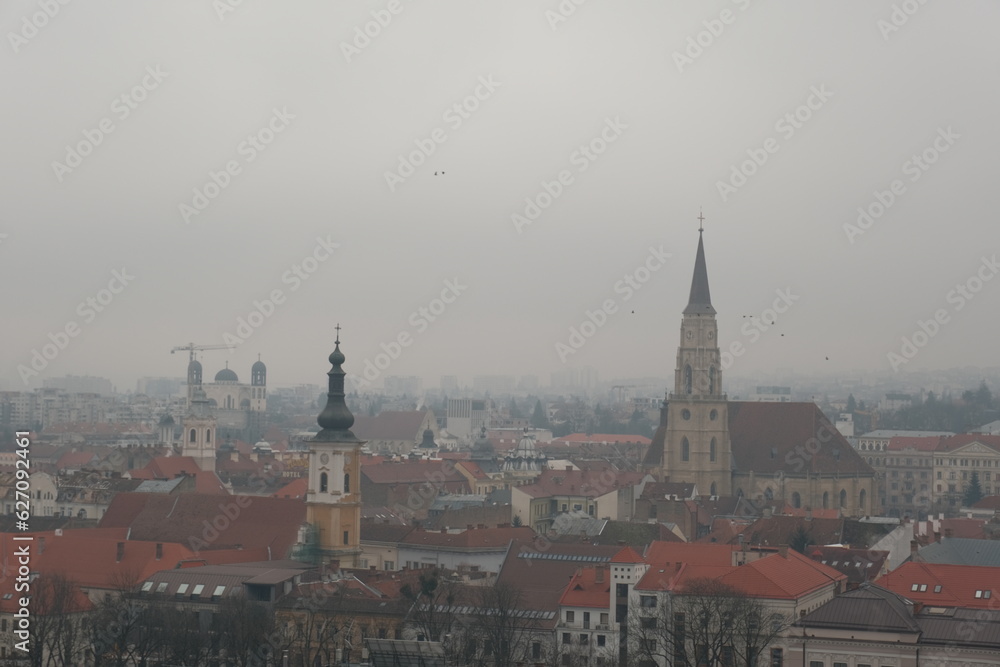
(208, 522)
(988, 503)
(920, 444)
(473, 468)
(959, 584)
(294, 489)
(75, 460)
(170, 467)
(950, 444)
(585, 591)
(412, 472)
(628, 555)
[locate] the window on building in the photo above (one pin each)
(536, 650)
(777, 657)
(604, 618)
(570, 616)
(584, 640)
(687, 379)
(648, 622)
(647, 601)
(192, 436)
(711, 451)
(565, 638)
(685, 450)
(840, 664)
(601, 640)
(347, 482)
(323, 482)
(347, 537)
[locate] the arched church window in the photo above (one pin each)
(796, 500)
(347, 482)
(323, 481)
(826, 500)
(192, 437)
(768, 494)
(711, 451)
(687, 379)
(714, 490)
(685, 450)
(863, 499)
(711, 380)
(208, 435)
(843, 498)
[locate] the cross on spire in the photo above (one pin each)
(338, 333)
(701, 220)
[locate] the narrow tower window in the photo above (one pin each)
(192, 437)
(322, 482)
(711, 452)
(711, 380)
(208, 435)
(685, 450)
(687, 379)
(347, 482)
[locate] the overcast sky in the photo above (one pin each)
(115, 114)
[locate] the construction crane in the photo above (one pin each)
(191, 347)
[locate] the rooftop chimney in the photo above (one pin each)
(599, 574)
(937, 536)
(783, 550)
(948, 532)
(914, 548)
(767, 512)
(809, 513)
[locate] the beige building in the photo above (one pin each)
(957, 459)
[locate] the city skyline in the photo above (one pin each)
(475, 201)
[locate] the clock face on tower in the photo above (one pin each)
(689, 334)
(324, 458)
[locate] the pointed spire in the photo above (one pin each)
(336, 419)
(700, 301)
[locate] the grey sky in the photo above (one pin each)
(681, 128)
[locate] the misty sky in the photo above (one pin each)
(183, 89)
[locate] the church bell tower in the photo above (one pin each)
(696, 443)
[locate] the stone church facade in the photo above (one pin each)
(770, 453)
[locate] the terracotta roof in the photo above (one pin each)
(628, 555)
(473, 468)
(663, 490)
(963, 439)
(791, 438)
(384, 532)
(585, 591)
(858, 565)
(777, 530)
(412, 472)
(541, 569)
(956, 585)
(75, 460)
(921, 444)
(390, 425)
(988, 503)
(249, 521)
(477, 538)
(294, 489)
(782, 577)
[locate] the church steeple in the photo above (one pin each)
(700, 301)
(336, 418)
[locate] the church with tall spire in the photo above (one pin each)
(770, 453)
(333, 495)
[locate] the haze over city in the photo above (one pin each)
(171, 171)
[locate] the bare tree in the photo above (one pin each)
(709, 624)
(432, 600)
(500, 624)
(56, 630)
(243, 628)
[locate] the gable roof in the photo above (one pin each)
(585, 591)
(412, 472)
(793, 438)
(959, 584)
(193, 519)
(583, 483)
(477, 538)
(961, 440)
(858, 565)
(869, 607)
